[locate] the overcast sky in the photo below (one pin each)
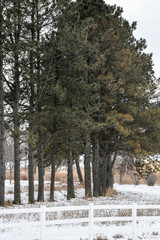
(147, 15)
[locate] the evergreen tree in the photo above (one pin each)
(122, 79)
(13, 69)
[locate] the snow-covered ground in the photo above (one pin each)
(127, 194)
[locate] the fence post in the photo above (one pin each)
(43, 219)
(91, 210)
(134, 221)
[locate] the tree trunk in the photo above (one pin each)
(17, 199)
(31, 173)
(87, 170)
(53, 161)
(10, 174)
(95, 165)
(32, 102)
(2, 164)
(103, 167)
(16, 133)
(17, 30)
(100, 167)
(70, 186)
(110, 175)
(40, 170)
(79, 171)
(109, 179)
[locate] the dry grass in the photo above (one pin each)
(8, 204)
(80, 185)
(158, 178)
(10, 192)
(47, 187)
(118, 236)
(61, 176)
(111, 192)
(8, 176)
(129, 179)
(24, 176)
(58, 187)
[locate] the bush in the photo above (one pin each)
(151, 179)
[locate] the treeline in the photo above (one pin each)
(73, 81)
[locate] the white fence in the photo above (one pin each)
(90, 218)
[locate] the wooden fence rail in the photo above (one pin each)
(91, 219)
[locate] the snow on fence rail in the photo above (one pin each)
(91, 218)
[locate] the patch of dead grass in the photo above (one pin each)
(111, 192)
(10, 192)
(117, 236)
(8, 203)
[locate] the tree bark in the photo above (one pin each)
(17, 30)
(16, 137)
(40, 170)
(53, 161)
(2, 164)
(17, 199)
(79, 171)
(31, 173)
(32, 102)
(103, 167)
(100, 168)
(110, 165)
(70, 185)
(87, 170)
(95, 165)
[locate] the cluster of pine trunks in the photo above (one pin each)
(98, 171)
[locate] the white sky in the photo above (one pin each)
(147, 15)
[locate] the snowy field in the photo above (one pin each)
(127, 194)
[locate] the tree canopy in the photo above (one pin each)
(75, 76)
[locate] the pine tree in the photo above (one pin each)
(119, 69)
(40, 18)
(31, 100)
(13, 70)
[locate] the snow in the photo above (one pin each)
(127, 194)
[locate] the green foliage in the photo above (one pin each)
(83, 72)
